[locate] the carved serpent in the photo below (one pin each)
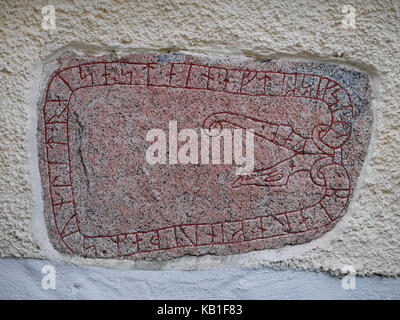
(319, 154)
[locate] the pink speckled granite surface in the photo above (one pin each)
(312, 125)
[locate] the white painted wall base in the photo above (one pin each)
(22, 279)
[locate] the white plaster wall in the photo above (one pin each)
(367, 238)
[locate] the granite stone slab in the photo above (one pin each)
(312, 124)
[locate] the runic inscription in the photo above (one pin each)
(102, 199)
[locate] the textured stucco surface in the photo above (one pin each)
(368, 238)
